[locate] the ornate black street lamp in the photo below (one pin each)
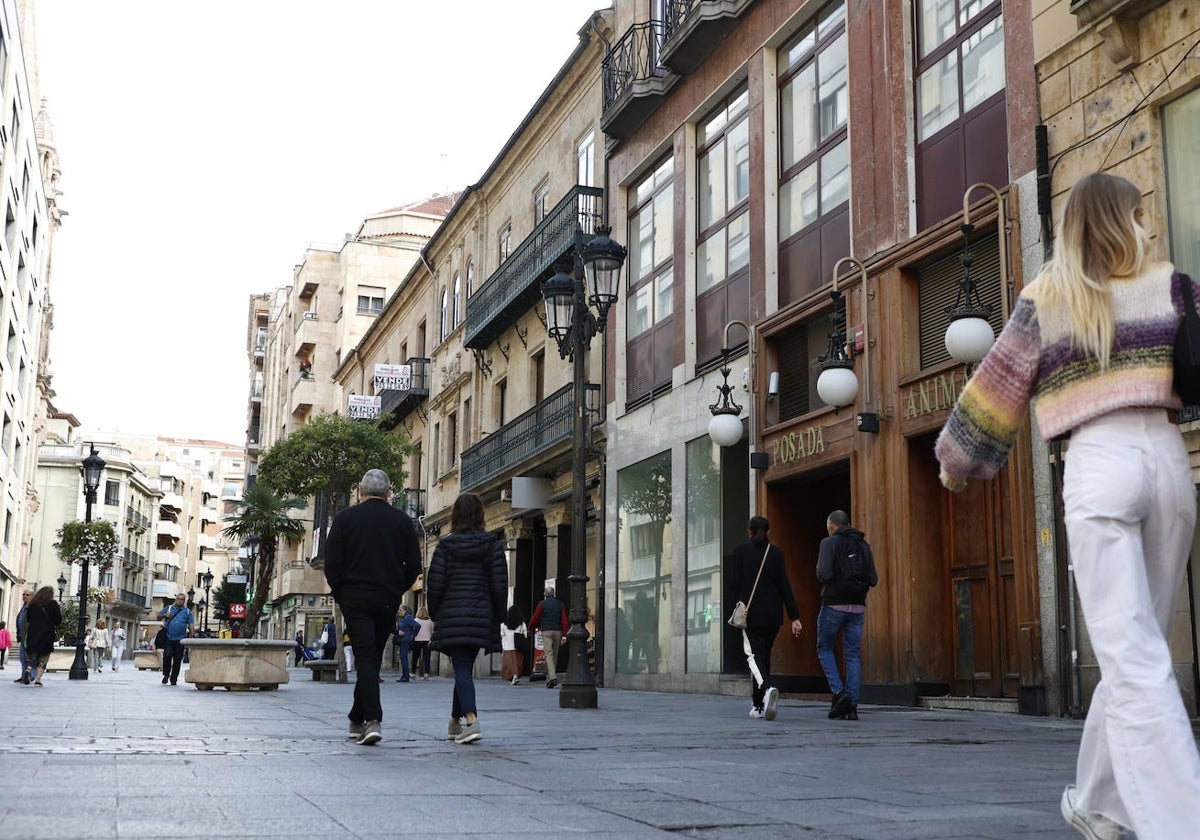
(208, 579)
(570, 322)
(93, 466)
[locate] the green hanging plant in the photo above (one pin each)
(94, 541)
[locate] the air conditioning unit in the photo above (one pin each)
(310, 316)
(506, 495)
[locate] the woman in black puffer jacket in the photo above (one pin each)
(467, 588)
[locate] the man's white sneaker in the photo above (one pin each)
(770, 701)
(756, 712)
(1091, 826)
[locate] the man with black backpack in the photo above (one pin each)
(846, 567)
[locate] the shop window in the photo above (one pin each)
(814, 165)
(723, 222)
(937, 288)
(1181, 127)
(644, 566)
(649, 313)
(704, 622)
(961, 123)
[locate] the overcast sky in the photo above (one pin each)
(205, 145)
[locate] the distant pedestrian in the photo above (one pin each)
(420, 650)
(513, 662)
(329, 640)
(1091, 343)
(5, 642)
(550, 619)
(758, 578)
(371, 559)
(177, 622)
(467, 587)
(846, 567)
(42, 617)
(407, 629)
(299, 648)
(26, 594)
(348, 651)
(97, 644)
(118, 646)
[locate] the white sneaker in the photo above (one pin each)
(1091, 826)
(756, 712)
(770, 699)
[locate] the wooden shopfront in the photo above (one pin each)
(956, 610)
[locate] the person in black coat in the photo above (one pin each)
(467, 588)
(42, 618)
(371, 560)
(766, 601)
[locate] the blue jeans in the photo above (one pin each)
(463, 659)
(405, 654)
(829, 623)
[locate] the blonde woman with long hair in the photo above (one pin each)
(1090, 343)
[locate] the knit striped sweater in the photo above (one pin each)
(1033, 359)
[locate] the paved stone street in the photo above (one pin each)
(122, 756)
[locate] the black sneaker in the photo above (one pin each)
(839, 706)
(166, 680)
(852, 714)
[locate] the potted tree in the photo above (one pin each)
(245, 663)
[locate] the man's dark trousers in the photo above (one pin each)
(172, 659)
(369, 626)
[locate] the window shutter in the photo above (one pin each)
(794, 363)
(938, 289)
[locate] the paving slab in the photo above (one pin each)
(143, 760)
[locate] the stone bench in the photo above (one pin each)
(238, 664)
(323, 670)
(148, 660)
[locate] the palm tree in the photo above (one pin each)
(263, 513)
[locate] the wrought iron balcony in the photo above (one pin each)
(395, 405)
(510, 446)
(133, 599)
(695, 28)
(517, 284)
(635, 81)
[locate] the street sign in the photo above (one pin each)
(237, 611)
(236, 579)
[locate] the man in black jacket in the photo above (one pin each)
(371, 560)
(758, 578)
(847, 568)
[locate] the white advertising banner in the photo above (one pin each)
(393, 378)
(362, 407)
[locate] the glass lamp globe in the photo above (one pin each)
(969, 339)
(837, 386)
(725, 429)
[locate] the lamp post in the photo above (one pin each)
(252, 551)
(725, 428)
(62, 584)
(969, 336)
(202, 605)
(208, 579)
(570, 322)
(93, 466)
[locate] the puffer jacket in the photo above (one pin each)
(467, 588)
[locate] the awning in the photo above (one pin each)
(7, 572)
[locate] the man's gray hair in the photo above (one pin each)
(549, 592)
(375, 483)
(839, 519)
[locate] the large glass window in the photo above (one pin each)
(644, 566)
(650, 301)
(960, 116)
(723, 222)
(814, 157)
(1181, 127)
(703, 619)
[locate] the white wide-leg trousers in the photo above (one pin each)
(1130, 511)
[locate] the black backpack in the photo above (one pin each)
(850, 571)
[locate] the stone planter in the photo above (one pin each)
(238, 664)
(62, 659)
(147, 660)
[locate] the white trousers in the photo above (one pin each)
(1130, 512)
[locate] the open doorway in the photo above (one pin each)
(797, 509)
